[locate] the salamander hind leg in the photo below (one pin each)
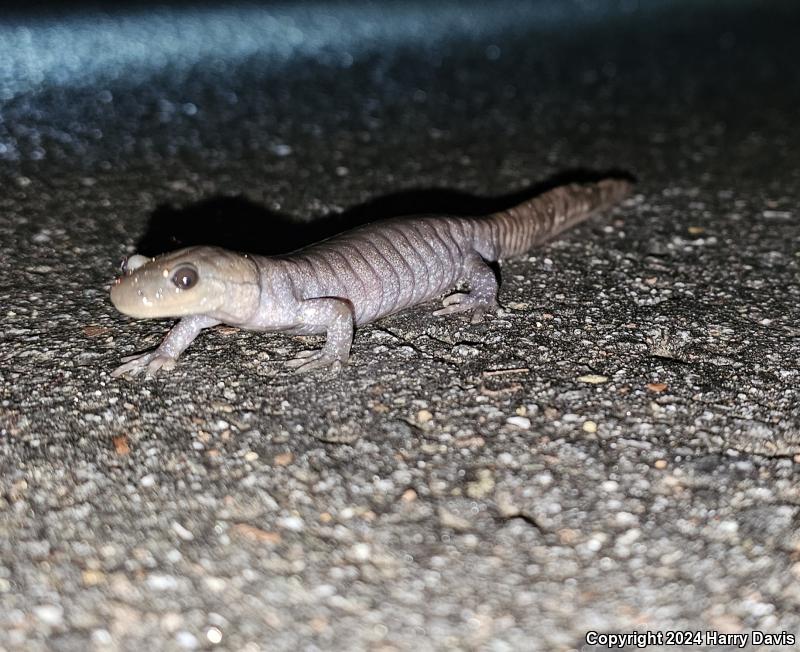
(482, 295)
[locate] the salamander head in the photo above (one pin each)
(194, 281)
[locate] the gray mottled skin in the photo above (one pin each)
(348, 280)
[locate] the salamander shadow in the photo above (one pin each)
(239, 224)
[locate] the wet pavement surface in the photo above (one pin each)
(617, 449)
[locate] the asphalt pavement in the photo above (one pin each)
(617, 449)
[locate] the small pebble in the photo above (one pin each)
(361, 551)
(92, 577)
(121, 445)
(49, 614)
(293, 523)
(452, 521)
(593, 379)
(519, 422)
(102, 637)
(281, 150)
(482, 486)
(423, 416)
(215, 584)
(182, 532)
(186, 640)
(409, 496)
(158, 582)
(214, 635)
(283, 459)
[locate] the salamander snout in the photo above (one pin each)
(185, 282)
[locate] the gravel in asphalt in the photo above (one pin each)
(616, 449)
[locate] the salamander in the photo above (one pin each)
(333, 286)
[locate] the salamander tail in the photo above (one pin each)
(514, 231)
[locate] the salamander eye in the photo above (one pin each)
(185, 277)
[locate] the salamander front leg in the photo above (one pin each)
(166, 355)
(482, 295)
(335, 316)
